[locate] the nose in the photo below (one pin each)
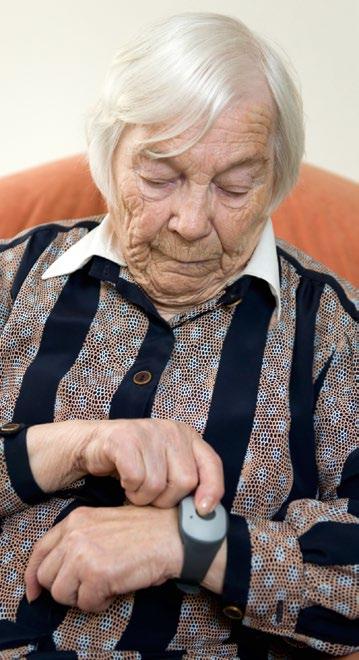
(192, 219)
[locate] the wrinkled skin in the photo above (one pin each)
(187, 224)
(95, 554)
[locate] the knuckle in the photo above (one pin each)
(57, 593)
(41, 575)
(155, 484)
(188, 481)
(76, 537)
(133, 475)
(136, 498)
(130, 480)
(77, 516)
(214, 457)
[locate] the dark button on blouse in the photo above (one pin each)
(142, 377)
(11, 428)
(233, 612)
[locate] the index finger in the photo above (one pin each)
(40, 551)
(210, 489)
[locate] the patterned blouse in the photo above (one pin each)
(276, 400)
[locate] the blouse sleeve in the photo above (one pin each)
(299, 578)
(17, 486)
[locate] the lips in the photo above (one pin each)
(188, 262)
(198, 261)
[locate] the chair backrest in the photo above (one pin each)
(320, 216)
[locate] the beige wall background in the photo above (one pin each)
(54, 55)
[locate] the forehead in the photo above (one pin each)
(243, 131)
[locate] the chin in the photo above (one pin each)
(182, 289)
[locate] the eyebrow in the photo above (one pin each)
(249, 161)
(252, 160)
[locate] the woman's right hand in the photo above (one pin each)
(157, 461)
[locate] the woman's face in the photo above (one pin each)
(186, 224)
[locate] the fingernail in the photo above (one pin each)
(206, 505)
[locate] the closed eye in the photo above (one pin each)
(158, 183)
(233, 193)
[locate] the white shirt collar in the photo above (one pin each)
(101, 242)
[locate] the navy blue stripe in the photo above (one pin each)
(13, 242)
(12, 635)
(132, 400)
(256, 645)
(96, 491)
(301, 397)
(104, 269)
(136, 296)
(353, 507)
(330, 543)
(238, 567)
(37, 243)
(328, 626)
(322, 278)
(18, 467)
(234, 398)
(64, 333)
(154, 619)
(252, 645)
(291, 652)
(349, 483)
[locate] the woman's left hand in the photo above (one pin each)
(95, 554)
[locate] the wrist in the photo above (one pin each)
(174, 550)
(214, 578)
(52, 451)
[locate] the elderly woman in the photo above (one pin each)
(171, 353)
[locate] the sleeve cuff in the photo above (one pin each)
(238, 568)
(18, 467)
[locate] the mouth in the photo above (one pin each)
(184, 263)
(197, 261)
(188, 261)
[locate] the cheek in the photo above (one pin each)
(236, 227)
(142, 219)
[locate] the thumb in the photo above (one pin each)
(210, 489)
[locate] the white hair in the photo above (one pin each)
(186, 69)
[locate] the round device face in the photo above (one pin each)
(204, 529)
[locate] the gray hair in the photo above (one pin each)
(186, 69)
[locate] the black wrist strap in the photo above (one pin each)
(17, 463)
(197, 560)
